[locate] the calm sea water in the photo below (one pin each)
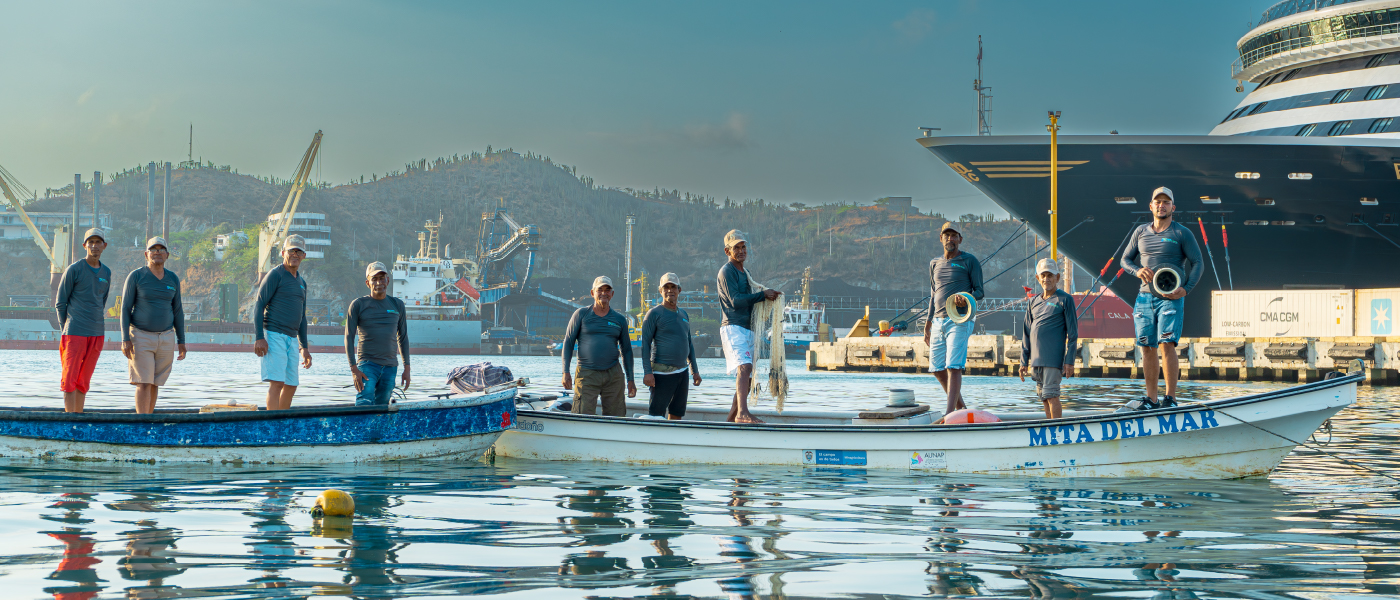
(527, 529)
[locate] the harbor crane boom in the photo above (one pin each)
(8, 186)
(273, 233)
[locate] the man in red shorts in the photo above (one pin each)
(82, 294)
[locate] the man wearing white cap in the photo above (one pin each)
(153, 324)
(279, 324)
(668, 352)
(600, 333)
(381, 324)
(82, 294)
(1157, 318)
(1049, 337)
(736, 302)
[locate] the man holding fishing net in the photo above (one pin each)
(738, 296)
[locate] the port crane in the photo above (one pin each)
(501, 239)
(62, 235)
(272, 234)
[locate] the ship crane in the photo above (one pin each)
(62, 235)
(271, 237)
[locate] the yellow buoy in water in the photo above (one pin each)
(334, 503)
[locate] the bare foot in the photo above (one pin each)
(748, 418)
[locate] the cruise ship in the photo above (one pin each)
(1302, 177)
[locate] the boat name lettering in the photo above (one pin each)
(1132, 427)
(527, 425)
(834, 457)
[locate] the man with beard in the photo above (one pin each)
(956, 272)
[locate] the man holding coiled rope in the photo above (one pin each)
(956, 273)
(1154, 247)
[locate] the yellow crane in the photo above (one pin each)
(62, 235)
(272, 234)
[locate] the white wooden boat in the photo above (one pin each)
(457, 426)
(1223, 439)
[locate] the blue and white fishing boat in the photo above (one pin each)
(459, 426)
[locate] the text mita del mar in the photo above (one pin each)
(1054, 435)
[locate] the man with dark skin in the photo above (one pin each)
(362, 312)
(82, 293)
(735, 332)
(955, 272)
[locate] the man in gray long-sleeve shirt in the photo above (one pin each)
(956, 272)
(668, 352)
(1049, 337)
(153, 324)
(1157, 319)
(82, 293)
(279, 323)
(736, 302)
(382, 326)
(599, 332)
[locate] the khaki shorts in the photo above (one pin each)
(1047, 382)
(152, 356)
(609, 385)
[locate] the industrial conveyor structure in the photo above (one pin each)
(501, 240)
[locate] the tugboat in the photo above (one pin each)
(804, 322)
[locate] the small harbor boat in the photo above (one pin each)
(1247, 436)
(450, 427)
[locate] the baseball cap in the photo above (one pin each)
(669, 278)
(734, 237)
(948, 227)
(1047, 266)
(1162, 190)
(601, 281)
(95, 231)
(157, 241)
(295, 241)
(375, 267)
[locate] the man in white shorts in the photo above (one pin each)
(736, 302)
(279, 324)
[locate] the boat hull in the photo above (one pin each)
(1221, 440)
(349, 434)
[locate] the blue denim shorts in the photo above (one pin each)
(947, 347)
(1157, 320)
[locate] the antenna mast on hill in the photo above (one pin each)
(984, 100)
(190, 158)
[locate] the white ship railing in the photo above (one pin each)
(1314, 46)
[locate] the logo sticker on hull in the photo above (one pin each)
(849, 458)
(929, 460)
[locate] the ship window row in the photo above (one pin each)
(1336, 66)
(1321, 31)
(1292, 7)
(1335, 128)
(1375, 92)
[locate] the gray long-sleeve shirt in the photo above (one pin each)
(948, 276)
(1050, 331)
(666, 339)
(382, 328)
(1173, 247)
(598, 340)
(735, 300)
(82, 293)
(281, 305)
(152, 304)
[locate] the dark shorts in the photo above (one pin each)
(669, 395)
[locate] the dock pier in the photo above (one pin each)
(1291, 360)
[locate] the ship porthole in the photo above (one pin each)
(1319, 219)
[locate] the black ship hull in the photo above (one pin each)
(1300, 213)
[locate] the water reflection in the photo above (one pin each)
(76, 569)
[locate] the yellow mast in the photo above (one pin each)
(1054, 128)
(807, 288)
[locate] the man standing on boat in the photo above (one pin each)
(82, 293)
(153, 324)
(382, 326)
(956, 272)
(1158, 319)
(736, 302)
(668, 352)
(279, 323)
(599, 332)
(1049, 337)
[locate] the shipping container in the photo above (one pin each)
(1282, 313)
(1375, 312)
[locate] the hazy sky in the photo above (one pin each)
(788, 101)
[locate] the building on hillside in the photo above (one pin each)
(12, 226)
(223, 240)
(901, 204)
(311, 226)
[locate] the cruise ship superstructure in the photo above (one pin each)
(1303, 175)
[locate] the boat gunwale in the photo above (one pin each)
(1002, 425)
(192, 415)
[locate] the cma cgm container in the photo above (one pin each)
(1281, 313)
(1375, 312)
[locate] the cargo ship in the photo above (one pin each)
(1295, 188)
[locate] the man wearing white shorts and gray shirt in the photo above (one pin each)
(153, 324)
(736, 302)
(956, 272)
(279, 323)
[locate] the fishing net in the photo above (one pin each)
(767, 326)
